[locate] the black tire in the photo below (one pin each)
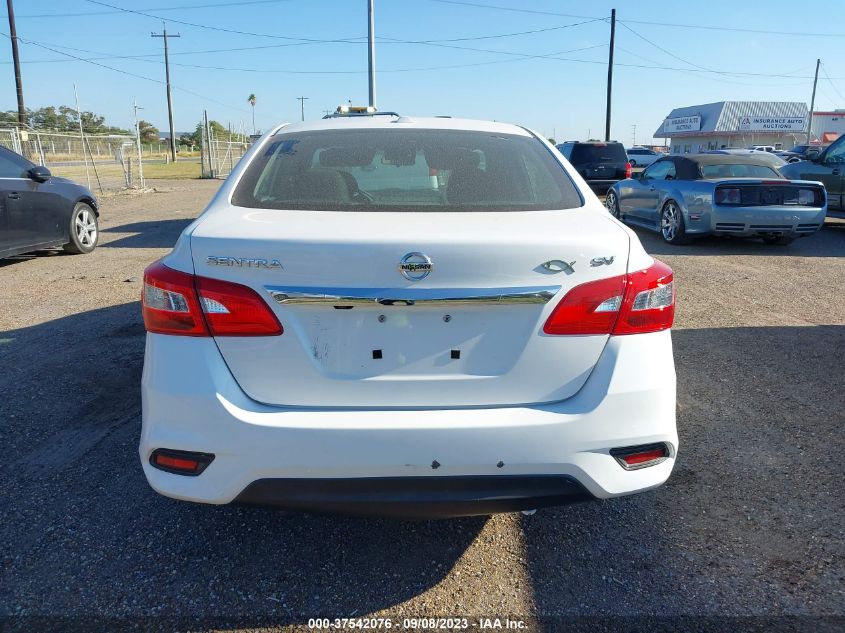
(611, 203)
(672, 228)
(84, 230)
(778, 240)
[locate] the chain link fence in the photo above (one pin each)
(102, 162)
(220, 155)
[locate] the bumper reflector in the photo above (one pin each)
(635, 457)
(180, 462)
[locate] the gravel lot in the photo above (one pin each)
(750, 524)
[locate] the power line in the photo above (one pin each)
(832, 85)
(144, 58)
(212, 28)
(660, 48)
(650, 23)
(193, 6)
(535, 11)
(128, 73)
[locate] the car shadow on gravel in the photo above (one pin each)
(151, 234)
(84, 535)
(749, 523)
(829, 242)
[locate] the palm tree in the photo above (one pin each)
(251, 100)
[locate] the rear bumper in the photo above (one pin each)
(417, 497)
(756, 221)
(191, 402)
(601, 186)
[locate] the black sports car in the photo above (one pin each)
(39, 210)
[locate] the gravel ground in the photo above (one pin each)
(750, 524)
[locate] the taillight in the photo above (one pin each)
(169, 302)
(636, 303)
(178, 303)
(628, 170)
(590, 308)
(727, 195)
(649, 304)
(235, 310)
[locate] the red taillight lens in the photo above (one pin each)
(591, 308)
(174, 302)
(235, 310)
(169, 302)
(728, 195)
(628, 170)
(649, 304)
(636, 303)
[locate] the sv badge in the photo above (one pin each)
(602, 261)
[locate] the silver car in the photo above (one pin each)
(719, 194)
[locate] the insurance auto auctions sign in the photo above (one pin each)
(772, 124)
(682, 124)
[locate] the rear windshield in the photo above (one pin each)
(405, 170)
(598, 153)
(738, 171)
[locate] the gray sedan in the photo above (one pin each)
(719, 194)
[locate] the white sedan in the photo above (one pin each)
(407, 316)
(642, 156)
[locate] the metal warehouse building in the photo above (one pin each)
(782, 124)
(828, 126)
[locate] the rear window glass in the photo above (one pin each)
(405, 170)
(739, 171)
(598, 153)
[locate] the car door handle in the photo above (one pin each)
(14, 195)
(836, 172)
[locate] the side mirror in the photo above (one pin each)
(813, 154)
(40, 174)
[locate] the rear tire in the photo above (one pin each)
(84, 230)
(778, 240)
(611, 202)
(672, 228)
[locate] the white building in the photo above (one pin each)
(725, 124)
(828, 126)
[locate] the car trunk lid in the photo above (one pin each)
(359, 333)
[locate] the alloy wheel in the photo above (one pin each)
(86, 228)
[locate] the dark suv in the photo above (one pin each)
(829, 169)
(600, 163)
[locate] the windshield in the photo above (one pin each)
(405, 170)
(598, 153)
(742, 170)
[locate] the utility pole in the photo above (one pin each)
(13, 35)
(82, 136)
(166, 35)
(610, 73)
(634, 134)
(136, 107)
(371, 36)
(302, 103)
(813, 105)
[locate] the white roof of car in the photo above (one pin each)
(383, 121)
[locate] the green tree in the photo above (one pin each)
(218, 131)
(149, 132)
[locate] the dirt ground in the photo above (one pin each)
(749, 525)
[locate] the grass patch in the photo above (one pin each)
(175, 170)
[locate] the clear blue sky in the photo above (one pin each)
(502, 81)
